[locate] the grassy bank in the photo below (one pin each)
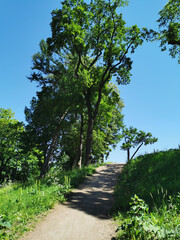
(21, 204)
(147, 200)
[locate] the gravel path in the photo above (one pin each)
(85, 215)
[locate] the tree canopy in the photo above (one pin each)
(90, 44)
(169, 25)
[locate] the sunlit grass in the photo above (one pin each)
(147, 200)
(146, 175)
(21, 204)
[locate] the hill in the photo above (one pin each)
(147, 199)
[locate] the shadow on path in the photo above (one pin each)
(95, 195)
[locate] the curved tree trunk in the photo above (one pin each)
(78, 159)
(137, 150)
(89, 141)
(81, 142)
(45, 165)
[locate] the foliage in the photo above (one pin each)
(108, 123)
(90, 44)
(59, 93)
(169, 24)
(134, 138)
(140, 223)
(41, 128)
(15, 164)
(21, 204)
(76, 176)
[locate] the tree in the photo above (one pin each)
(134, 138)
(42, 115)
(15, 164)
(169, 24)
(53, 111)
(109, 122)
(93, 39)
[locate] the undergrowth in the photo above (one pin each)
(20, 204)
(147, 199)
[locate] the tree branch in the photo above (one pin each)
(120, 61)
(94, 61)
(174, 42)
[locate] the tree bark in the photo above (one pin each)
(91, 119)
(89, 141)
(102, 158)
(128, 154)
(45, 165)
(81, 142)
(1, 167)
(78, 159)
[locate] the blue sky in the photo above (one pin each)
(152, 98)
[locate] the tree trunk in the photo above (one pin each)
(128, 154)
(1, 167)
(78, 155)
(91, 119)
(45, 165)
(89, 141)
(81, 142)
(102, 158)
(137, 150)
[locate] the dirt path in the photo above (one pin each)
(85, 215)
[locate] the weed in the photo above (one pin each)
(139, 223)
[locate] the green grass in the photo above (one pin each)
(76, 176)
(21, 204)
(147, 200)
(146, 176)
(141, 223)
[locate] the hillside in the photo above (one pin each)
(147, 197)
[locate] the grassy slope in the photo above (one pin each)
(20, 204)
(151, 214)
(149, 174)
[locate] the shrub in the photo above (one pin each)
(140, 223)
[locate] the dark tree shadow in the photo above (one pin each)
(95, 195)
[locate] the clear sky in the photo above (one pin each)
(152, 99)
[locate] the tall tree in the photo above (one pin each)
(54, 109)
(109, 122)
(94, 39)
(134, 138)
(169, 25)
